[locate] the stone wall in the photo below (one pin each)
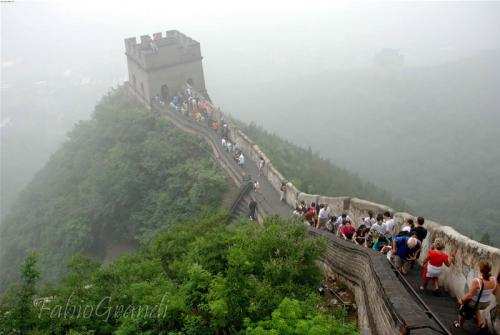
(468, 252)
(455, 278)
(384, 305)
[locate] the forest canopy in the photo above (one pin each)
(120, 176)
(201, 276)
(314, 174)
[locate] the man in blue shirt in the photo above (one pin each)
(403, 250)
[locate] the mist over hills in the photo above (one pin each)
(118, 178)
(425, 134)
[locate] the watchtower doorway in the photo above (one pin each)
(190, 81)
(165, 92)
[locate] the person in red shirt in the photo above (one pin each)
(310, 215)
(347, 230)
(433, 264)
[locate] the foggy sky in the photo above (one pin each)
(57, 50)
(255, 41)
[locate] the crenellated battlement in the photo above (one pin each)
(160, 64)
(162, 49)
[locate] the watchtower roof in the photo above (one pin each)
(171, 37)
(145, 52)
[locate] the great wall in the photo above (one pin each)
(387, 303)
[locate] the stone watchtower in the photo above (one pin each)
(163, 64)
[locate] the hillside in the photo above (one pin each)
(199, 276)
(312, 173)
(425, 134)
(126, 175)
(119, 177)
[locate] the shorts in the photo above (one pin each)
(433, 271)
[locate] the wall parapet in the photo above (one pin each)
(455, 279)
(385, 306)
(468, 252)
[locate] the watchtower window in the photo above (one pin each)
(190, 81)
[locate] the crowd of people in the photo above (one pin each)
(195, 106)
(191, 104)
(403, 248)
(378, 232)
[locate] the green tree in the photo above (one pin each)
(121, 176)
(314, 174)
(198, 276)
(294, 317)
(16, 310)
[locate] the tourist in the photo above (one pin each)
(389, 224)
(378, 228)
(330, 225)
(282, 191)
(339, 223)
(241, 160)
(310, 215)
(419, 232)
(223, 142)
(403, 252)
(173, 107)
(215, 126)
(347, 230)
(342, 219)
(256, 186)
(419, 229)
(480, 295)
(298, 211)
(224, 130)
(369, 221)
(379, 243)
(301, 208)
(176, 100)
(236, 155)
(253, 210)
(360, 235)
(323, 215)
(407, 228)
(260, 165)
(153, 46)
(433, 265)
(236, 147)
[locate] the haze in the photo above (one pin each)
(426, 130)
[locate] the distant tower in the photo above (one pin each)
(163, 64)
